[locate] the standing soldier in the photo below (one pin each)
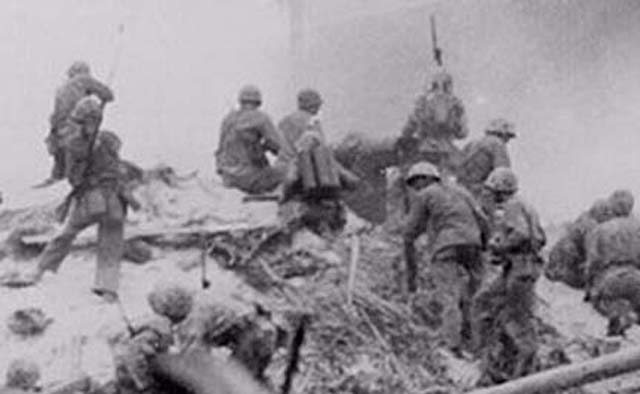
(80, 84)
(437, 119)
(247, 134)
(481, 157)
(457, 230)
(92, 167)
(503, 321)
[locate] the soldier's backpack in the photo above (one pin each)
(317, 168)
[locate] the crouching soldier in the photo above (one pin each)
(503, 322)
(253, 337)
(133, 355)
(457, 232)
(247, 134)
(613, 271)
(312, 195)
(97, 197)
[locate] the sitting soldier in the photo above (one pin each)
(314, 186)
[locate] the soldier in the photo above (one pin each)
(312, 195)
(79, 84)
(568, 256)
(437, 119)
(483, 156)
(294, 125)
(503, 322)
(21, 378)
(621, 202)
(246, 135)
(252, 336)
(97, 197)
(457, 232)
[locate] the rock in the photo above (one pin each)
(137, 251)
(28, 322)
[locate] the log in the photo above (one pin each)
(572, 375)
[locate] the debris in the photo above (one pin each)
(28, 322)
(137, 251)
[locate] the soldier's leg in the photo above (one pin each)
(110, 249)
(58, 248)
(437, 302)
(471, 259)
(265, 180)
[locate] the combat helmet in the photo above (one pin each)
(88, 108)
(250, 94)
(502, 180)
(78, 68)
(422, 169)
(500, 127)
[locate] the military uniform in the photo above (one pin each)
(456, 230)
(252, 336)
(246, 135)
(479, 159)
(93, 171)
(503, 322)
(79, 85)
(437, 119)
(567, 258)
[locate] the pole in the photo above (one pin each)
(558, 379)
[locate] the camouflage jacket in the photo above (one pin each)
(68, 95)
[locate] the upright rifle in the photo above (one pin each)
(437, 51)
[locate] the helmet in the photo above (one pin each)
(309, 99)
(250, 94)
(621, 202)
(87, 108)
(500, 127)
(442, 81)
(502, 179)
(601, 210)
(423, 168)
(111, 140)
(171, 300)
(78, 68)
(22, 374)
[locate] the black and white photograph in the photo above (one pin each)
(319, 196)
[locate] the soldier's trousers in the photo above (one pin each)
(101, 207)
(446, 288)
(256, 180)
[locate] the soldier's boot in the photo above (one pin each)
(110, 250)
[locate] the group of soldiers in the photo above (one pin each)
(464, 200)
(473, 282)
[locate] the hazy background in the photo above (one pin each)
(566, 72)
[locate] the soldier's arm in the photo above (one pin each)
(413, 122)
(460, 129)
(415, 226)
(500, 156)
(272, 141)
(104, 93)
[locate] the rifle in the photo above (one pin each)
(411, 266)
(437, 51)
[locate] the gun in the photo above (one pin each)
(437, 52)
(411, 266)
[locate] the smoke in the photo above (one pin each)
(179, 71)
(563, 71)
